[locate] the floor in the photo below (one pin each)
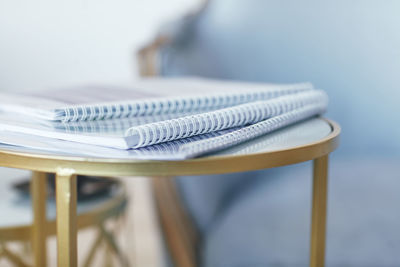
(138, 233)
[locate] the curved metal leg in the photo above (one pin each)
(66, 218)
(39, 195)
(318, 223)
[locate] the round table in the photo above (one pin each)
(309, 140)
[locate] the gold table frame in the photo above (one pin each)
(37, 233)
(66, 168)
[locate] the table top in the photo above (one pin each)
(303, 141)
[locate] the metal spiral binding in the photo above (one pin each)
(244, 134)
(159, 132)
(173, 104)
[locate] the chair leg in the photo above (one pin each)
(318, 220)
(66, 198)
(39, 195)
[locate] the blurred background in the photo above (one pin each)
(351, 49)
(52, 44)
(47, 44)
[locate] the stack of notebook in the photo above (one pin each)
(166, 119)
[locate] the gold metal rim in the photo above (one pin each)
(201, 166)
(110, 208)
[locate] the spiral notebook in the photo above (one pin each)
(144, 98)
(127, 134)
(174, 150)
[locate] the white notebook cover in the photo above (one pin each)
(125, 134)
(142, 98)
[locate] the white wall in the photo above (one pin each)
(49, 43)
(53, 43)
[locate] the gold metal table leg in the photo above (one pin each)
(93, 249)
(66, 218)
(39, 194)
(318, 223)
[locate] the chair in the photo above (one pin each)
(349, 49)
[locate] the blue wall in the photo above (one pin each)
(351, 49)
